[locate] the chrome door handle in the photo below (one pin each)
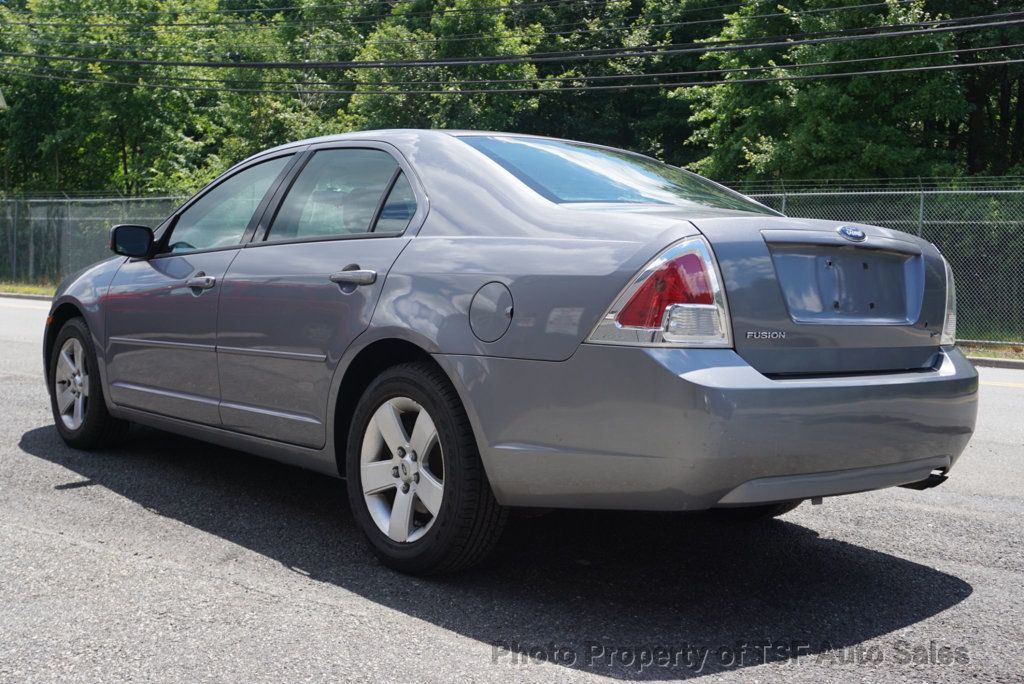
(354, 277)
(201, 282)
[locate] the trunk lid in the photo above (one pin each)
(812, 297)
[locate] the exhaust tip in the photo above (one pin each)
(934, 480)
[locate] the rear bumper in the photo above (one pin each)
(671, 429)
(794, 487)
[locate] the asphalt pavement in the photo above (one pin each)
(168, 559)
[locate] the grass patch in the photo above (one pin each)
(27, 288)
(1008, 351)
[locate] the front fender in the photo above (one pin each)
(82, 294)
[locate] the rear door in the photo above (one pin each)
(295, 298)
(819, 297)
(161, 313)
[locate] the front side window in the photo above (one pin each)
(219, 218)
(567, 172)
(335, 195)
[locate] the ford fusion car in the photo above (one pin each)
(461, 323)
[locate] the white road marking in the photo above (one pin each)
(1002, 384)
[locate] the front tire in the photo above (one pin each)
(416, 484)
(76, 393)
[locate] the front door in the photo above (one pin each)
(293, 302)
(162, 312)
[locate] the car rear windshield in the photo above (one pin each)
(567, 172)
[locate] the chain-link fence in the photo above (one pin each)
(981, 232)
(44, 239)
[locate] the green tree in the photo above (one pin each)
(848, 127)
(103, 126)
(447, 35)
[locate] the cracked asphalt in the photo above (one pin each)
(167, 559)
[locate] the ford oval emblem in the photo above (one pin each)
(852, 234)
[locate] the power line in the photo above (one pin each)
(706, 42)
(412, 41)
(435, 12)
(582, 55)
(475, 36)
(536, 90)
(376, 19)
(480, 11)
(495, 9)
(561, 79)
(219, 10)
(359, 43)
(458, 37)
(342, 5)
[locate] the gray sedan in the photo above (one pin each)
(461, 323)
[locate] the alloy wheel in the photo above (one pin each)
(71, 384)
(402, 469)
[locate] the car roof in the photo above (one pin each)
(407, 140)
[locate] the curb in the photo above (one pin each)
(996, 363)
(18, 295)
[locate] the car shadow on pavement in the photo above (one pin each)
(627, 595)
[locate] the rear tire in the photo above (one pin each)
(76, 393)
(752, 513)
(416, 484)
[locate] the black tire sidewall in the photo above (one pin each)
(422, 387)
(95, 411)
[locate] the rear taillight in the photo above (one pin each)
(949, 323)
(675, 301)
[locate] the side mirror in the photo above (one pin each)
(132, 241)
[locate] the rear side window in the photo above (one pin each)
(567, 172)
(219, 218)
(399, 208)
(336, 194)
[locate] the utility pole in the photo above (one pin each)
(14, 226)
(3, 106)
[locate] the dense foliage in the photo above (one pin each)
(106, 122)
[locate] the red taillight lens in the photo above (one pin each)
(676, 300)
(683, 280)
